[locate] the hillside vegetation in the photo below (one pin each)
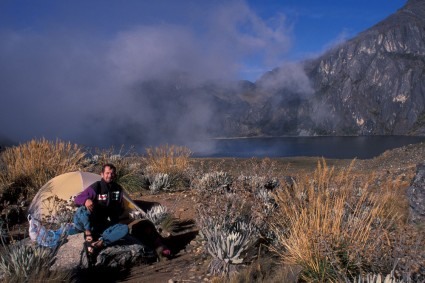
(259, 220)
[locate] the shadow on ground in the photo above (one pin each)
(97, 274)
(184, 231)
(177, 243)
(145, 205)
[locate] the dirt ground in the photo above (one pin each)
(190, 263)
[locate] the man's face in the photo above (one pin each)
(108, 174)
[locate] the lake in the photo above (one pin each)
(362, 147)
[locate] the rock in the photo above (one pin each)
(416, 195)
(125, 252)
(69, 254)
(372, 84)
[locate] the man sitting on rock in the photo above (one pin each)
(100, 206)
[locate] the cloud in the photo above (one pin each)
(238, 27)
(288, 78)
(142, 84)
(150, 52)
(47, 82)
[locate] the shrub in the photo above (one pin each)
(229, 233)
(377, 278)
(134, 182)
(170, 224)
(163, 220)
(157, 214)
(27, 167)
(168, 159)
(213, 181)
(266, 201)
(265, 167)
(20, 263)
(330, 229)
(161, 182)
(227, 243)
(252, 182)
(256, 182)
(231, 201)
(256, 191)
(173, 161)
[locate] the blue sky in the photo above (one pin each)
(64, 63)
(281, 30)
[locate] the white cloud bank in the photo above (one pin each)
(83, 87)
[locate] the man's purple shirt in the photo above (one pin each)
(88, 193)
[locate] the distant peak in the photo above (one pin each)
(415, 7)
(415, 3)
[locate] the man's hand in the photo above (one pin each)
(89, 204)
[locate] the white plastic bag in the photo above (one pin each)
(46, 237)
(34, 228)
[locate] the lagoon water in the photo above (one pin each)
(362, 147)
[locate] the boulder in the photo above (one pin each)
(126, 252)
(416, 195)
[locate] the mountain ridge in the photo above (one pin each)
(372, 84)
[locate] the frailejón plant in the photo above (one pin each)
(160, 182)
(226, 242)
(214, 180)
(157, 214)
(21, 260)
(378, 278)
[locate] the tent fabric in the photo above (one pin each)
(60, 191)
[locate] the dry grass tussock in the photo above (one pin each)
(168, 159)
(334, 226)
(29, 166)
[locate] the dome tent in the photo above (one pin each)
(54, 199)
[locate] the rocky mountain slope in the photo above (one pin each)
(373, 84)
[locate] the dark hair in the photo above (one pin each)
(110, 165)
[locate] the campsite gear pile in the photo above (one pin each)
(63, 189)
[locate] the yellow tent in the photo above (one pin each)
(56, 196)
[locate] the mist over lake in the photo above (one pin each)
(362, 147)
